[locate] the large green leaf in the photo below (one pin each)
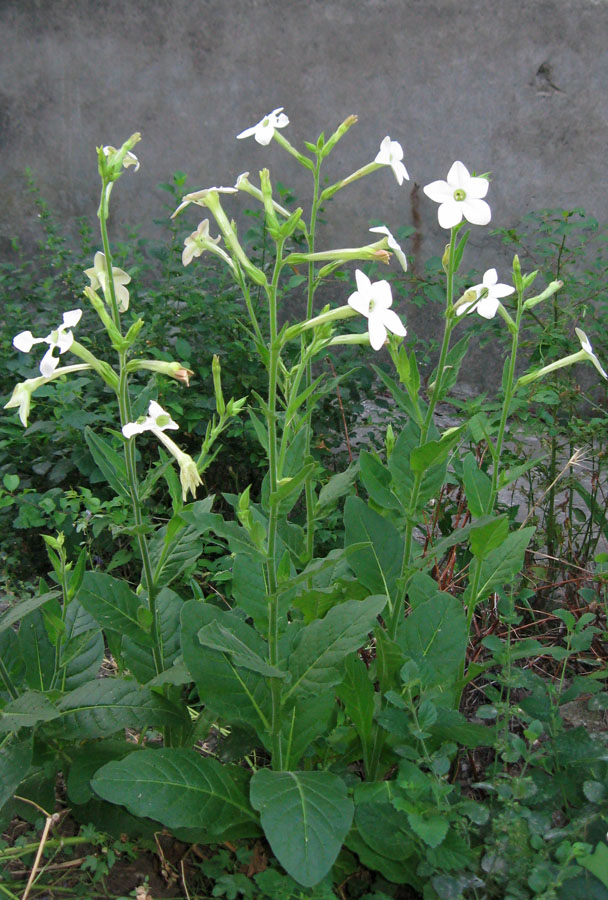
(15, 761)
(233, 693)
(86, 759)
(502, 564)
(111, 603)
(376, 479)
(378, 565)
(477, 486)
(303, 723)
(82, 649)
(435, 636)
(181, 789)
(176, 547)
(305, 817)
(249, 588)
(216, 636)
(140, 659)
(106, 705)
(37, 652)
(316, 662)
(356, 691)
(109, 461)
(26, 711)
(23, 608)
(403, 474)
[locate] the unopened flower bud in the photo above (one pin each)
(216, 371)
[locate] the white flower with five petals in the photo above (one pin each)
(98, 276)
(391, 154)
(392, 244)
(158, 421)
(489, 294)
(197, 242)
(200, 197)
(373, 302)
(61, 338)
(263, 132)
(586, 346)
(460, 196)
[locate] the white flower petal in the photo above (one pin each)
(490, 278)
(477, 188)
(487, 307)
(264, 133)
(502, 290)
(449, 214)
(360, 303)
(25, 340)
(377, 332)
(585, 342)
(439, 191)
(249, 132)
(381, 294)
(72, 317)
(458, 176)
(48, 363)
(477, 212)
(394, 324)
(363, 282)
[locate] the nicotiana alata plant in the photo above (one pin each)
(335, 745)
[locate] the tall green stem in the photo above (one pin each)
(273, 475)
(124, 406)
(308, 488)
(397, 608)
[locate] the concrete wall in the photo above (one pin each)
(515, 87)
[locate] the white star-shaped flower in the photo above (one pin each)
(61, 338)
(264, 130)
(489, 294)
(200, 197)
(129, 158)
(393, 245)
(391, 154)
(460, 196)
(157, 420)
(586, 346)
(98, 276)
(197, 242)
(373, 302)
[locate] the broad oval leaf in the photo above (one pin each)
(305, 817)
(181, 789)
(113, 605)
(106, 705)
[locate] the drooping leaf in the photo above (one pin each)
(113, 605)
(216, 636)
(82, 649)
(15, 761)
(235, 694)
(378, 565)
(435, 637)
(15, 613)
(140, 659)
(104, 706)
(181, 789)
(477, 486)
(317, 660)
(305, 817)
(37, 652)
(109, 461)
(356, 691)
(502, 564)
(27, 711)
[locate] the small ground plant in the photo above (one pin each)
(318, 706)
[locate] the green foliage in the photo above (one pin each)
(291, 655)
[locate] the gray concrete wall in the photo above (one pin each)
(515, 87)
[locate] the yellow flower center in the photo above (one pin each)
(459, 195)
